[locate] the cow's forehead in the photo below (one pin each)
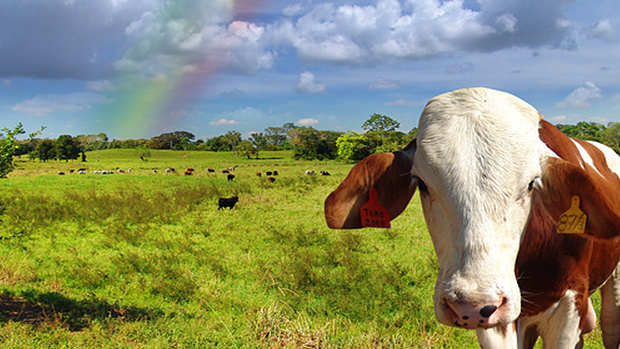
(478, 139)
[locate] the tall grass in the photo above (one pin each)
(147, 260)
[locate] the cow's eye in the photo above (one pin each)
(422, 187)
(533, 184)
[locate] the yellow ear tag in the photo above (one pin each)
(373, 214)
(574, 220)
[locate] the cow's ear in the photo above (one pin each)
(389, 173)
(568, 188)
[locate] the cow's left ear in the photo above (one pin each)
(598, 197)
(389, 173)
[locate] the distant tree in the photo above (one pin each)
(92, 142)
(67, 148)
(259, 141)
(233, 138)
(45, 150)
(171, 140)
(590, 131)
(309, 143)
(216, 144)
(611, 136)
(353, 146)
(380, 123)
(246, 148)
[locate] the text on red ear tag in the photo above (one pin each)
(373, 214)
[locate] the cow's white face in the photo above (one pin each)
(477, 166)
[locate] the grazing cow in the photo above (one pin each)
(268, 173)
(258, 174)
(275, 173)
(309, 173)
(210, 170)
(230, 177)
(71, 170)
(170, 170)
(61, 173)
(107, 172)
(228, 202)
(225, 171)
(188, 173)
(325, 173)
(271, 179)
(120, 170)
(231, 168)
(97, 172)
(189, 169)
(523, 219)
(81, 172)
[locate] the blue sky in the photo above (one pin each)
(139, 68)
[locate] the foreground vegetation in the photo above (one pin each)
(146, 260)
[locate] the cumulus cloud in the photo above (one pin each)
(307, 122)
(602, 30)
(73, 39)
(581, 97)
(384, 84)
(402, 102)
(47, 104)
(308, 84)
(224, 122)
(101, 86)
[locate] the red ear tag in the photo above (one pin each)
(373, 214)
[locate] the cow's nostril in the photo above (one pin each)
(487, 310)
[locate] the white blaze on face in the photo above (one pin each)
(477, 154)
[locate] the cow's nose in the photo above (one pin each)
(487, 310)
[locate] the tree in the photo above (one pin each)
(92, 142)
(8, 147)
(353, 146)
(380, 123)
(233, 138)
(45, 150)
(611, 136)
(172, 140)
(247, 148)
(67, 148)
(309, 143)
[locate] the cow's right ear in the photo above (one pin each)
(389, 173)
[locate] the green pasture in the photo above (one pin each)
(146, 260)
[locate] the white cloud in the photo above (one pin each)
(307, 122)
(47, 104)
(384, 84)
(101, 86)
(224, 122)
(602, 30)
(558, 118)
(402, 102)
(581, 97)
(307, 84)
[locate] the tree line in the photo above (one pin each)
(307, 143)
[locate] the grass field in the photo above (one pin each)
(147, 260)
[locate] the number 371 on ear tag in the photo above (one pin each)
(373, 214)
(574, 220)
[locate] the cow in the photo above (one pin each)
(228, 202)
(258, 174)
(524, 220)
(309, 173)
(271, 179)
(170, 170)
(61, 173)
(230, 177)
(210, 170)
(325, 173)
(188, 173)
(275, 173)
(269, 173)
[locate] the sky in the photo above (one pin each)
(139, 68)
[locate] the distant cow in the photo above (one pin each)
(310, 173)
(120, 170)
(325, 173)
(190, 169)
(259, 174)
(268, 173)
(271, 179)
(225, 171)
(61, 173)
(275, 173)
(170, 170)
(228, 202)
(188, 173)
(81, 172)
(210, 170)
(230, 177)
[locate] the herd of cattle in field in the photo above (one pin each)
(189, 171)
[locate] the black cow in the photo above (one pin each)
(228, 202)
(230, 177)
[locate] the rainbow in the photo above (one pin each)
(146, 107)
